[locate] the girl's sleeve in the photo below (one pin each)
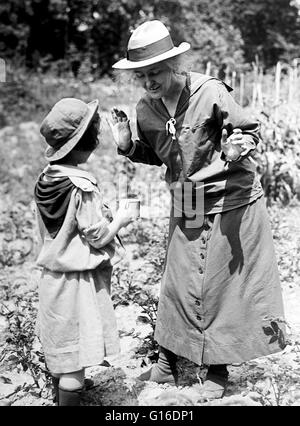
(40, 230)
(92, 224)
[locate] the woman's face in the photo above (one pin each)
(156, 79)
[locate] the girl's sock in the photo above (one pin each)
(69, 397)
(55, 383)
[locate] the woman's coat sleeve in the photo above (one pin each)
(141, 151)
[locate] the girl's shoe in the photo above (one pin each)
(88, 384)
(55, 383)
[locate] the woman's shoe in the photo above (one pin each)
(215, 384)
(155, 374)
(164, 371)
(88, 384)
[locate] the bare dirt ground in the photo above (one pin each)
(272, 380)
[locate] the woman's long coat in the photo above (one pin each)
(220, 298)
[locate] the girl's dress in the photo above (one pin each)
(77, 325)
(220, 299)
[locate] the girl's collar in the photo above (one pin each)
(62, 170)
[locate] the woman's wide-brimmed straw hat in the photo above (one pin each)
(65, 124)
(150, 43)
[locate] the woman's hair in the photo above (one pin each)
(179, 64)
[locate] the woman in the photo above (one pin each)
(220, 290)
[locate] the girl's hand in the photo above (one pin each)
(120, 128)
(124, 215)
(233, 146)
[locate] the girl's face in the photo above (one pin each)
(82, 156)
(156, 79)
(95, 128)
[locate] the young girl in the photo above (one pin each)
(77, 325)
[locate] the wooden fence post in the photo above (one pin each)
(2, 71)
(296, 81)
(291, 84)
(208, 68)
(233, 77)
(254, 89)
(242, 88)
(277, 89)
(295, 68)
(259, 87)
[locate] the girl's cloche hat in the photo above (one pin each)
(150, 43)
(65, 124)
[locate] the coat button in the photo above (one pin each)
(199, 317)
(197, 302)
(200, 271)
(202, 255)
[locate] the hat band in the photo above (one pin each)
(151, 50)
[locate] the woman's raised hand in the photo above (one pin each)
(120, 128)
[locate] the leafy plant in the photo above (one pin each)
(276, 334)
(278, 157)
(22, 349)
(277, 385)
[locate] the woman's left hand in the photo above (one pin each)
(233, 146)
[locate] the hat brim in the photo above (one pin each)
(125, 64)
(52, 154)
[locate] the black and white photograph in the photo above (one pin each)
(150, 205)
